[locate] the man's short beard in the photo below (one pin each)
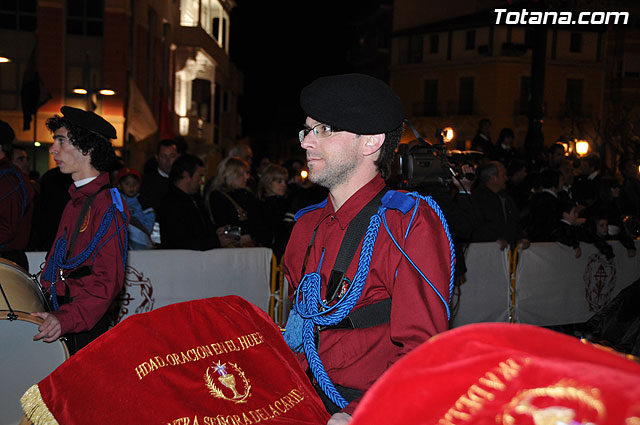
(333, 176)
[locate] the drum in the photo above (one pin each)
(23, 361)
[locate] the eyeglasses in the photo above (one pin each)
(321, 131)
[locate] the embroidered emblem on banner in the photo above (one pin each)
(556, 404)
(231, 381)
(599, 280)
(136, 294)
(85, 222)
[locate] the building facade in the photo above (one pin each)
(453, 65)
(163, 63)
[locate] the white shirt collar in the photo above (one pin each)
(593, 175)
(82, 182)
(162, 173)
(555, 195)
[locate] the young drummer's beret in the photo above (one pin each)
(89, 121)
(357, 103)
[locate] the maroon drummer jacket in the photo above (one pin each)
(91, 295)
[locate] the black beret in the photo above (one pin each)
(89, 121)
(357, 103)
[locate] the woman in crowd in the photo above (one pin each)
(232, 205)
(276, 215)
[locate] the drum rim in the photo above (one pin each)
(26, 317)
(38, 289)
(15, 266)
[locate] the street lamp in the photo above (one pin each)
(582, 147)
(92, 95)
(447, 134)
(444, 135)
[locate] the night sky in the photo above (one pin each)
(281, 47)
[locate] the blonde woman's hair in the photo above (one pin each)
(228, 170)
(271, 173)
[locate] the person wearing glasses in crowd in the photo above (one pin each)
(353, 126)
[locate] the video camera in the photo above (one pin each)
(419, 163)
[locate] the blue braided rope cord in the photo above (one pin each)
(21, 186)
(314, 312)
(312, 308)
(57, 261)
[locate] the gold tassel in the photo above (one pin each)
(35, 409)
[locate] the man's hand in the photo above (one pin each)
(502, 244)
(524, 243)
(339, 418)
(50, 330)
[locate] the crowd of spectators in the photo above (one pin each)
(499, 195)
(508, 197)
(173, 207)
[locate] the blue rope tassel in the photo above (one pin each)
(309, 310)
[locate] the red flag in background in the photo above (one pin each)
(33, 92)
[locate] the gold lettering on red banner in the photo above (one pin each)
(198, 353)
(249, 417)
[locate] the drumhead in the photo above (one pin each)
(23, 362)
(21, 290)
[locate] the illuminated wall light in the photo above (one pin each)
(304, 174)
(4, 59)
(36, 144)
(107, 92)
(447, 134)
(79, 90)
(582, 147)
(183, 125)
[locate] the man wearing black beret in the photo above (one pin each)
(396, 291)
(85, 266)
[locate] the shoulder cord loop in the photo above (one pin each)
(310, 307)
(58, 262)
(436, 208)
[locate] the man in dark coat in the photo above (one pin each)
(184, 223)
(495, 212)
(544, 216)
(155, 182)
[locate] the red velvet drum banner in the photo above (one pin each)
(217, 361)
(505, 374)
